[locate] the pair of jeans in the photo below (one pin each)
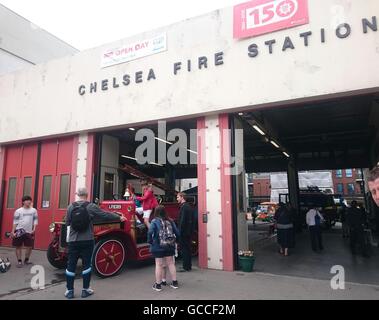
(76, 250)
(316, 238)
(185, 248)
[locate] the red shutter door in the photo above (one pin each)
(20, 175)
(54, 185)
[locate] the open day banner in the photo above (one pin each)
(258, 17)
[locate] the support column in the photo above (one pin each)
(293, 185)
(82, 165)
(214, 193)
(240, 186)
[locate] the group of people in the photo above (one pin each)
(163, 235)
(285, 222)
(353, 220)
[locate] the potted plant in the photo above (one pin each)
(246, 260)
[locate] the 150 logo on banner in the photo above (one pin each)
(258, 17)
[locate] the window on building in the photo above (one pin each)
(108, 186)
(349, 173)
(27, 190)
(350, 188)
(340, 188)
(46, 192)
(339, 173)
(64, 191)
(11, 199)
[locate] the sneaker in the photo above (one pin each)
(87, 292)
(27, 262)
(69, 294)
(19, 264)
(174, 284)
(164, 283)
(157, 287)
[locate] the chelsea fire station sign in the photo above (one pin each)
(250, 20)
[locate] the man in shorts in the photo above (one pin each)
(25, 220)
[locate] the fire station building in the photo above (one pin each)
(300, 77)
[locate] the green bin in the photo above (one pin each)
(246, 263)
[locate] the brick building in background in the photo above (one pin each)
(259, 188)
(348, 183)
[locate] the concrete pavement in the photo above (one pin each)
(136, 280)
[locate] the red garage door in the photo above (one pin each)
(51, 163)
(19, 176)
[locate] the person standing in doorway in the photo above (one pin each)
(149, 202)
(79, 218)
(25, 221)
(314, 220)
(284, 226)
(356, 220)
(186, 230)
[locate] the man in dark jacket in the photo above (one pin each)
(186, 230)
(355, 219)
(81, 243)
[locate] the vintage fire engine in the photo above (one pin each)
(115, 242)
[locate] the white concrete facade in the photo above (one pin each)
(321, 69)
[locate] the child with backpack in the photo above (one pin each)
(162, 236)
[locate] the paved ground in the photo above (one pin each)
(303, 275)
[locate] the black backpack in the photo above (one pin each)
(80, 218)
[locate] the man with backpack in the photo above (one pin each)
(80, 238)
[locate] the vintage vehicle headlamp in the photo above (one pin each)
(52, 227)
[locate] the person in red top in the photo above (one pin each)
(149, 202)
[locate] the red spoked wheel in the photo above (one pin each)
(108, 257)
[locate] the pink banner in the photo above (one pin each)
(258, 17)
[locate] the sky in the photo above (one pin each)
(89, 23)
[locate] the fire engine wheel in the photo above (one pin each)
(55, 259)
(108, 257)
